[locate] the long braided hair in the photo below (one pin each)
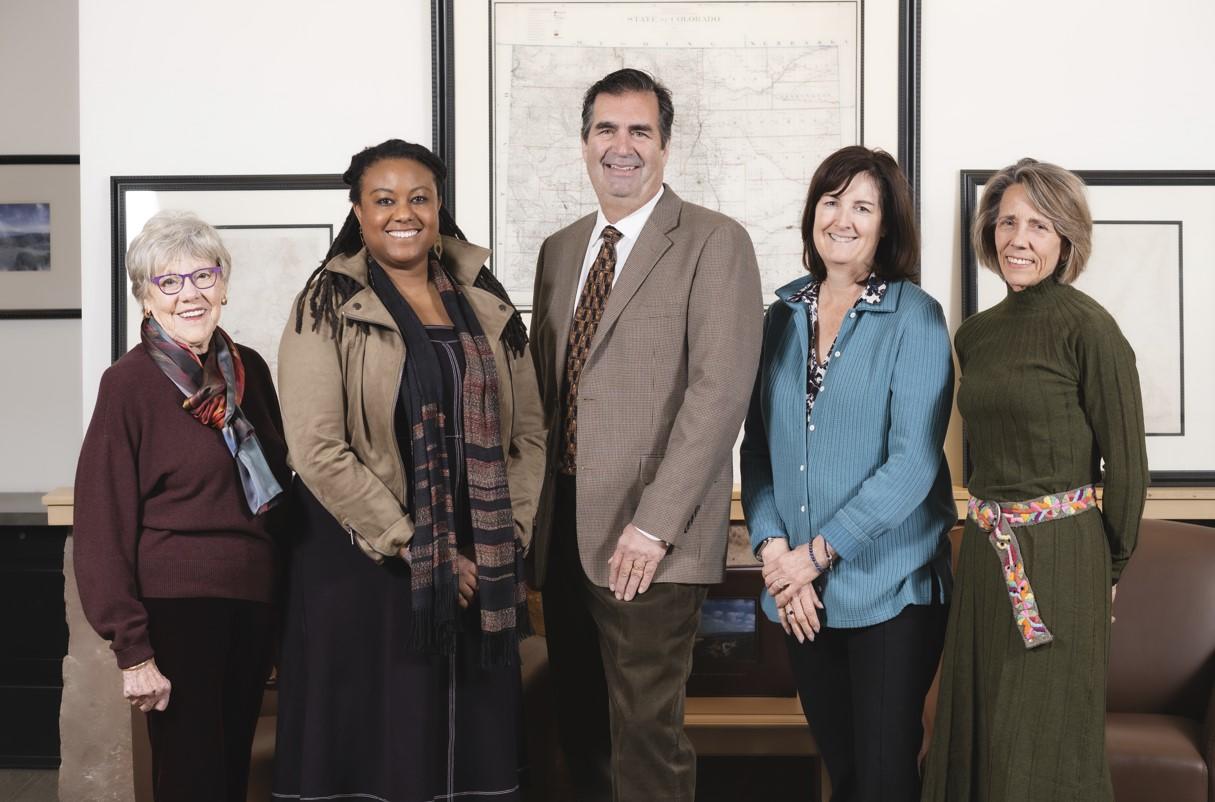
(326, 291)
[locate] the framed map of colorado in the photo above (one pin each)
(762, 92)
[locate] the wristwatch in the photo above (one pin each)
(760, 548)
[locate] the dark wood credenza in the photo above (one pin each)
(35, 632)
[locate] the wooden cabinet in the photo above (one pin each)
(35, 633)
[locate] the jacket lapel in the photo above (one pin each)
(652, 243)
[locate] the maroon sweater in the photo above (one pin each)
(160, 512)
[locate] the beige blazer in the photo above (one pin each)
(663, 392)
(339, 396)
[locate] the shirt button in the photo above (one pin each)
(803, 508)
(811, 429)
(803, 468)
(852, 314)
(837, 353)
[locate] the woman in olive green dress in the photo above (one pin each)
(1049, 392)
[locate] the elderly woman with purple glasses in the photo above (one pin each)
(177, 492)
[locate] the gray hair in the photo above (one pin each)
(622, 82)
(1058, 195)
(167, 237)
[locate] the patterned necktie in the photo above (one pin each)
(582, 331)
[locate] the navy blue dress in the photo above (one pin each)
(361, 715)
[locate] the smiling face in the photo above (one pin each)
(624, 153)
(848, 225)
(398, 210)
(190, 316)
(1026, 241)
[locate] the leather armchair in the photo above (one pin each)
(1160, 721)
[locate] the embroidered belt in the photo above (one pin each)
(998, 519)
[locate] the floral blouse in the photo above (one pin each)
(875, 288)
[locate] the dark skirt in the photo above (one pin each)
(361, 714)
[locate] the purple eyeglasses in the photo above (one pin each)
(203, 279)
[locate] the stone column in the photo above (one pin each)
(94, 719)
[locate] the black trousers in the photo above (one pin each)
(863, 691)
(217, 655)
(619, 671)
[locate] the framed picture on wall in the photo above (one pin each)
(276, 227)
(762, 92)
(39, 237)
(738, 651)
(1153, 268)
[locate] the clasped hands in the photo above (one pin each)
(789, 575)
(632, 565)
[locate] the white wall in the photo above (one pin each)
(1088, 84)
(240, 87)
(40, 412)
(40, 92)
(230, 87)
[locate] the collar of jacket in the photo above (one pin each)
(889, 302)
(462, 259)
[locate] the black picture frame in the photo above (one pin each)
(443, 99)
(971, 182)
(193, 186)
(750, 661)
(445, 124)
(71, 231)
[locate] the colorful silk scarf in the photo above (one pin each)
(433, 549)
(998, 519)
(214, 390)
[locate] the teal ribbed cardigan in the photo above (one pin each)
(868, 471)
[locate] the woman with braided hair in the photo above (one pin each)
(413, 420)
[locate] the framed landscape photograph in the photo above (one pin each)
(762, 91)
(39, 237)
(738, 651)
(1152, 266)
(277, 229)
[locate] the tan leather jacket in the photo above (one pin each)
(339, 394)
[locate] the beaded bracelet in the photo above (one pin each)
(814, 560)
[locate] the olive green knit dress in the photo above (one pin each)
(1048, 390)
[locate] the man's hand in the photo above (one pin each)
(145, 687)
(632, 566)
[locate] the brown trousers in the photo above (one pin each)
(619, 671)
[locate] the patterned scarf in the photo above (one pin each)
(433, 551)
(214, 390)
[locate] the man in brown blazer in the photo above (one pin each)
(646, 335)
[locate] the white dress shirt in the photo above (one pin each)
(629, 228)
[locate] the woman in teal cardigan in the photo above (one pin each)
(845, 486)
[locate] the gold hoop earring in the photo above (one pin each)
(437, 248)
(224, 302)
(361, 240)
